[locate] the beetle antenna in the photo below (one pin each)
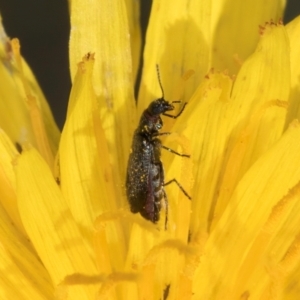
(159, 81)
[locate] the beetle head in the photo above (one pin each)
(159, 106)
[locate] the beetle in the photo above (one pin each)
(145, 180)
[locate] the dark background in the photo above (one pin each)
(43, 29)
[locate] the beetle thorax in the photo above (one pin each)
(153, 122)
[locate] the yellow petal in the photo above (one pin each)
(269, 180)
(293, 30)
(213, 122)
(50, 225)
(86, 174)
(88, 179)
(265, 75)
(12, 105)
(18, 83)
(207, 126)
(235, 27)
(277, 247)
(21, 266)
(260, 95)
(102, 28)
(292, 288)
(34, 110)
(263, 129)
(8, 181)
(133, 16)
(178, 38)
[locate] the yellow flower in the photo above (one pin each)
(66, 229)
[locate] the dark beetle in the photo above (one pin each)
(145, 174)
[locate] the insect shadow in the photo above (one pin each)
(145, 179)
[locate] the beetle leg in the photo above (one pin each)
(174, 152)
(179, 185)
(175, 117)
